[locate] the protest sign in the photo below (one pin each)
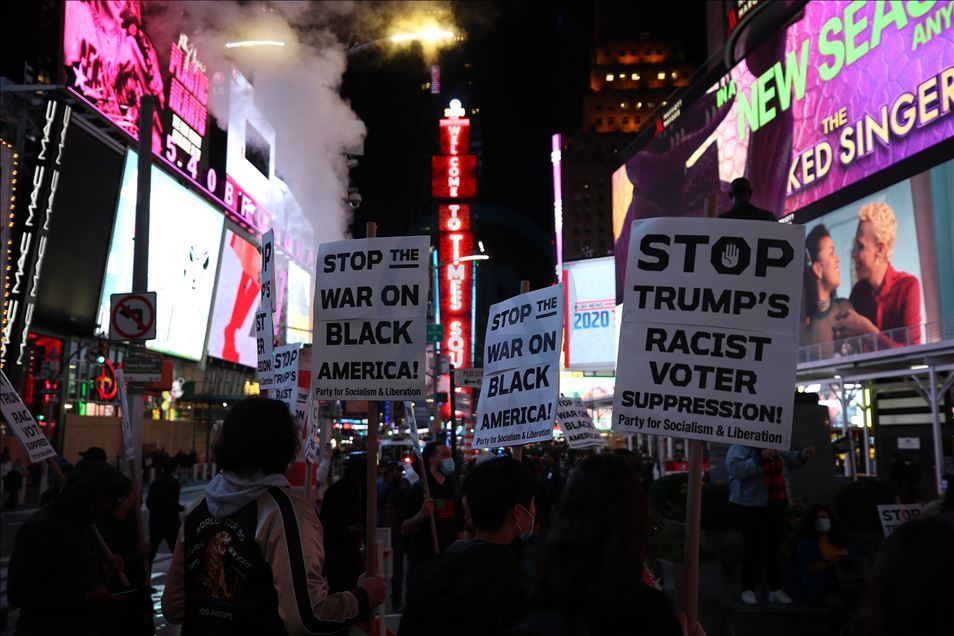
(21, 422)
(576, 424)
(711, 316)
(314, 431)
(264, 329)
(371, 319)
(894, 515)
(285, 360)
(518, 397)
(126, 424)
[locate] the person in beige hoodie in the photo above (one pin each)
(249, 557)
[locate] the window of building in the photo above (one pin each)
(634, 76)
(599, 121)
(661, 75)
(674, 75)
(622, 53)
(609, 77)
(651, 104)
(599, 106)
(610, 121)
(625, 120)
(649, 51)
(622, 104)
(638, 120)
(639, 104)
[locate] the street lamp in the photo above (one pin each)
(244, 44)
(431, 35)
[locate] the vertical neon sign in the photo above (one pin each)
(454, 180)
(556, 158)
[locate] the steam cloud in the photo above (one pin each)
(296, 88)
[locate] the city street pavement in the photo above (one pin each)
(10, 522)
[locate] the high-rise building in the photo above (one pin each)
(631, 76)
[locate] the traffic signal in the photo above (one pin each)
(97, 352)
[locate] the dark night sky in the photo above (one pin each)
(524, 65)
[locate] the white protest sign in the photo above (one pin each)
(21, 422)
(311, 444)
(711, 316)
(126, 423)
(894, 515)
(285, 361)
(264, 328)
(412, 421)
(576, 424)
(268, 292)
(518, 397)
(370, 328)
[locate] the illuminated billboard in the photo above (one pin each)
(456, 282)
(300, 292)
(455, 136)
(591, 338)
(454, 176)
(112, 57)
(185, 235)
(878, 272)
(232, 330)
(838, 95)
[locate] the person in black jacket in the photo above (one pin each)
(488, 570)
(58, 577)
(164, 509)
(589, 576)
(740, 191)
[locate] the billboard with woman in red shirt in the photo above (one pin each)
(878, 271)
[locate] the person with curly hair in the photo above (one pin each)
(249, 558)
(883, 298)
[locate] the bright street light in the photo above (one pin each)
(429, 36)
(474, 257)
(242, 44)
(432, 34)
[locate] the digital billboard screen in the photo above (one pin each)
(232, 329)
(185, 235)
(841, 93)
(299, 294)
(878, 272)
(590, 314)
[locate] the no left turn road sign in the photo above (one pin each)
(132, 316)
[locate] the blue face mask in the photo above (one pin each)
(448, 466)
(525, 536)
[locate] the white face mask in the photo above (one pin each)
(524, 536)
(823, 525)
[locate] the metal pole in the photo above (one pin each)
(453, 412)
(518, 450)
(867, 442)
(140, 283)
(850, 458)
(936, 429)
(690, 601)
(371, 542)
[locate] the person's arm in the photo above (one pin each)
(173, 596)
(415, 510)
(47, 575)
(740, 466)
(304, 603)
(798, 458)
(810, 557)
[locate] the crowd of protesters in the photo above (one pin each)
(556, 543)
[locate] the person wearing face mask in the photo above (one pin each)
(498, 496)
(444, 505)
(823, 542)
